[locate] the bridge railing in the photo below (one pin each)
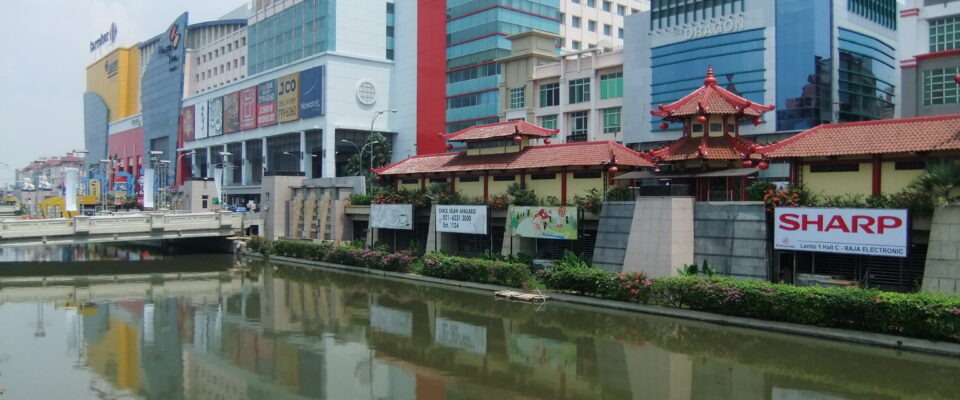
(120, 224)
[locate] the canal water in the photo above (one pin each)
(212, 327)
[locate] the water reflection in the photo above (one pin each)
(84, 252)
(286, 333)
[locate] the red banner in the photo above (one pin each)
(187, 127)
(267, 103)
(248, 108)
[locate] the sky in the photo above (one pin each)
(44, 53)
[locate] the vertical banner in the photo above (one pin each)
(148, 186)
(231, 112)
(71, 181)
(544, 222)
(218, 183)
(288, 97)
(215, 116)
(248, 108)
(267, 103)
(311, 92)
(187, 119)
(201, 121)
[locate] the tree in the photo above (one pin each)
(939, 181)
(381, 156)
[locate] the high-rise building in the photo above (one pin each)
(586, 24)
(929, 57)
(816, 61)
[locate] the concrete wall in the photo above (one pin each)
(942, 271)
(732, 237)
(275, 192)
(613, 235)
(662, 236)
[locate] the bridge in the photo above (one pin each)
(118, 228)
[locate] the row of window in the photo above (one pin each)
(945, 34)
(580, 121)
(667, 13)
(210, 73)
(472, 99)
(883, 12)
(222, 50)
(939, 87)
(608, 7)
(611, 87)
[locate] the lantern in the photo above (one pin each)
(517, 138)
(657, 169)
(546, 141)
(702, 119)
(747, 163)
(613, 169)
(956, 78)
(664, 125)
(757, 121)
(763, 165)
(440, 135)
(754, 147)
(379, 178)
(449, 146)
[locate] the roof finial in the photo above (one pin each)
(710, 79)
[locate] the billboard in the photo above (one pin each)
(461, 335)
(248, 108)
(867, 231)
(288, 97)
(71, 183)
(231, 112)
(544, 222)
(311, 92)
(215, 117)
(267, 103)
(391, 216)
(392, 321)
(462, 219)
(188, 131)
(201, 120)
(148, 188)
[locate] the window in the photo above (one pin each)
(945, 34)
(229, 46)
(243, 60)
(607, 6)
(550, 95)
(235, 63)
(586, 175)
(216, 53)
(469, 179)
(620, 33)
(243, 41)
(939, 87)
(221, 68)
(516, 98)
(579, 90)
(409, 181)
(578, 124)
(607, 30)
(835, 168)
(540, 177)
(197, 78)
(575, 45)
(592, 26)
(438, 180)
(592, 3)
(575, 1)
(549, 121)
(228, 66)
(611, 120)
(575, 21)
(611, 85)
(502, 178)
(563, 18)
(621, 10)
(198, 60)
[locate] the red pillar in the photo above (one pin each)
(486, 187)
(453, 183)
(876, 175)
(563, 186)
(523, 179)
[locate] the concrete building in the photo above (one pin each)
(816, 61)
(587, 24)
(112, 93)
(929, 57)
(216, 53)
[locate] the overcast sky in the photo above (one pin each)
(44, 52)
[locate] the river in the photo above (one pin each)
(189, 326)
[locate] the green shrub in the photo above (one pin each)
(258, 244)
(520, 196)
(572, 274)
(475, 270)
(592, 201)
(619, 193)
(361, 199)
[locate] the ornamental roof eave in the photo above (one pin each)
(499, 130)
(710, 99)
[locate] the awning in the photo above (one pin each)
(688, 174)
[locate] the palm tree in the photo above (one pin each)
(939, 181)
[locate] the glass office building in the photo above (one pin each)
(161, 91)
(298, 31)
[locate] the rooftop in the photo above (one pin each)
(709, 99)
(499, 130)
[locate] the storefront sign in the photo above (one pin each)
(111, 67)
(187, 121)
(459, 335)
(267, 103)
(288, 97)
(109, 36)
(875, 232)
(231, 112)
(394, 322)
(708, 28)
(311, 92)
(201, 120)
(215, 117)
(462, 219)
(544, 222)
(391, 216)
(248, 108)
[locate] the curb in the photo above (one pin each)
(867, 338)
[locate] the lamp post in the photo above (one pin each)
(375, 115)
(360, 156)
(224, 157)
(155, 186)
(104, 163)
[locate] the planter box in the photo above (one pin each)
(360, 210)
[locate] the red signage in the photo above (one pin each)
(188, 133)
(248, 108)
(876, 232)
(267, 103)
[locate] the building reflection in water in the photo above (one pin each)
(291, 334)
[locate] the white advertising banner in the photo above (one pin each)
(462, 219)
(148, 185)
(391, 216)
(867, 231)
(450, 333)
(388, 320)
(71, 180)
(200, 121)
(218, 182)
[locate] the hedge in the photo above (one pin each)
(477, 270)
(401, 261)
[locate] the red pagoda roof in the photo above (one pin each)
(903, 135)
(709, 99)
(706, 148)
(543, 156)
(500, 130)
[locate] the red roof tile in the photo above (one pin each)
(544, 156)
(903, 135)
(705, 148)
(709, 99)
(500, 130)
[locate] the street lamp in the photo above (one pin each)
(224, 158)
(375, 115)
(103, 182)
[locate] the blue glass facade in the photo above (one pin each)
(866, 79)
(804, 60)
(476, 36)
(299, 31)
(737, 60)
(95, 125)
(161, 90)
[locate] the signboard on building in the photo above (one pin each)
(215, 117)
(187, 120)
(311, 92)
(201, 120)
(267, 103)
(108, 37)
(460, 335)
(248, 108)
(391, 216)
(148, 188)
(394, 322)
(544, 222)
(231, 112)
(462, 219)
(288, 97)
(867, 231)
